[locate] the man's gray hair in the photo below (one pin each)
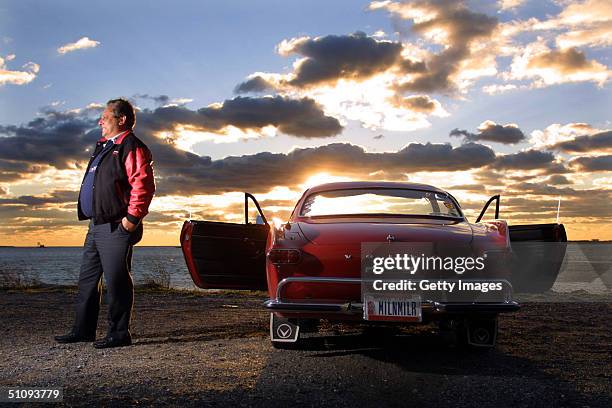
(122, 107)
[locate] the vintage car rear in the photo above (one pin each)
(312, 266)
(315, 263)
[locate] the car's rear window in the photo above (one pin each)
(382, 201)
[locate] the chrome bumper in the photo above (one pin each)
(428, 306)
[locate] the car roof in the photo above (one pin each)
(344, 185)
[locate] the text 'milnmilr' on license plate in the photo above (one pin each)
(392, 309)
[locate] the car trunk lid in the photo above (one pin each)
(354, 231)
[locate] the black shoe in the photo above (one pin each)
(73, 338)
(109, 342)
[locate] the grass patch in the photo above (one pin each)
(157, 277)
(18, 279)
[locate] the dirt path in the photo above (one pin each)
(194, 349)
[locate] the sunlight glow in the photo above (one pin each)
(277, 222)
(381, 202)
(186, 137)
(370, 103)
(322, 178)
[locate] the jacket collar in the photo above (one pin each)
(118, 139)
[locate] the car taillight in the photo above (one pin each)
(284, 256)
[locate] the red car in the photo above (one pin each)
(313, 266)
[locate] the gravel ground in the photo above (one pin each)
(194, 349)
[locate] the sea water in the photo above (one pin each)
(60, 265)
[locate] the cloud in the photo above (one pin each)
(599, 143)
(61, 139)
(16, 77)
(262, 171)
(605, 182)
(566, 62)
(492, 132)
(81, 44)
(498, 89)
(356, 88)
(578, 24)
(13, 170)
(255, 83)
(557, 133)
(586, 23)
(525, 201)
(540, 189)
(549, 67)
(592, 163)
(528, 198)
(575, 211)
(525, 160)
(185, 176)
(164, 100)
(55, 197)
(558, 180)
(296, 117)
(597, 35)
(158, 99)
(419, 103)
(327, 59)
(509, 4)
(388, 84)
(456, 28)
(57, 139)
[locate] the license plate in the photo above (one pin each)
(392, 309)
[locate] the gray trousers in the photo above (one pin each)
(107, 250)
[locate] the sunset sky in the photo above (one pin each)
(506, 97)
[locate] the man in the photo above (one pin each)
(115, 195)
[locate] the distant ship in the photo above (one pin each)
(40, 245)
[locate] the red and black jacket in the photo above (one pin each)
(123, 184)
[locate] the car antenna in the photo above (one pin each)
(558, 209)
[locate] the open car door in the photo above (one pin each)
(222, 255)
(538, 252)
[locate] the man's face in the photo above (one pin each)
(109, 123)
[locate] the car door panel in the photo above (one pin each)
(538, 251)
(222, 255)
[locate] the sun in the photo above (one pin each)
(277, 222)
(322, 178)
